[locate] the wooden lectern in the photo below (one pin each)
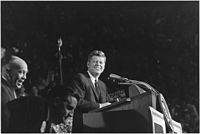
(129, 115)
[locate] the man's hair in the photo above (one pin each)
(61, 92)
(14, 62)
(96, 53)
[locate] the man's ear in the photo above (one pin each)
(87, 64)
(7, 73)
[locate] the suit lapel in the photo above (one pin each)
(93, 87)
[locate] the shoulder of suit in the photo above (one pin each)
(3, 82)
(4, 87)
(82, 75)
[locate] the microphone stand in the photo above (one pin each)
(60, 60)
(146, 85)
(126, 81)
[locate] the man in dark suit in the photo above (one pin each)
(12, 77)
(92, 91)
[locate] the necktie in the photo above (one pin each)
(97, 87)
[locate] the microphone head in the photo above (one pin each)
(117, 77)
(114, 76)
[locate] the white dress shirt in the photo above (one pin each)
(92, 78)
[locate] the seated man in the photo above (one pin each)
(92, 91)
(34, 114)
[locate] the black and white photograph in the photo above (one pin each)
(99, 67)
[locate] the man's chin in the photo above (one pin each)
(98, 71)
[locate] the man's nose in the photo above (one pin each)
(24, 76)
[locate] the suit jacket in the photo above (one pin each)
(89, 98)
(27, 114)
(7, 95)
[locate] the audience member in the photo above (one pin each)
(62, 103)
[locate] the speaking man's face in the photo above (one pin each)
(96, 65)
(18, 76)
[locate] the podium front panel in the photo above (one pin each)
(125, 121)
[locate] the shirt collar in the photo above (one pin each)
(92, 77)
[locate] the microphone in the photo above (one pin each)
(121, 80)
(117, 77)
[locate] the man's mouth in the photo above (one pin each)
(19, 83)
(97, 68)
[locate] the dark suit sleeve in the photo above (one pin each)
(27, 114)
(79, 86)
(5, 113)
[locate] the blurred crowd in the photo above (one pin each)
(187, 113)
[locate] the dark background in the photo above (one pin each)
(154, 42)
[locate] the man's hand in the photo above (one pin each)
(104, 104)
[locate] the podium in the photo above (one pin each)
(129, 115)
